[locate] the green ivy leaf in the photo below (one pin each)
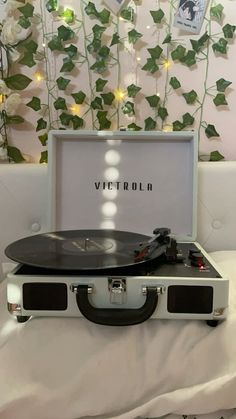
(108, 98)
(132, 90)
(68, 65)
(43, 139)
(77, 122)
(34, 104)
(100, 84)
(153, 100)
(60, 103)
(151, 66)
(174, 82)
(65, 33)
(100, 66)
(98, 31)
(31, 46)
(51, 5)
(155, 52)
(177, 126)
(104, 123)
(222, 84)
(44, 157)
(115, 39)
(220, 100)
(127, 14)
(188, 119)
(17, 82)
(62, 83)
(228, 31)
(91, 10)
(94, 46)
(216, 11)
(24, 22)
(190, 97)
(189, 59)
(27, 10)
(178, 53)
(104, 51)
(66, 119)
(97, 103)
(195, 45)
(79, 97)
(211, 131)
(133, 36)
(14, 119)
(157, 15)
(162, 112)
(55, 44)
(41, 124)
(133, 127)
(28, 59)
(128, 108)
(167, 39)
(150, 124)
(220, 46)
(216, 156)
(104, 16)
(68, 15)
(15, 154)
(72, 51)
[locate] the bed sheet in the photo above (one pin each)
(60, 368)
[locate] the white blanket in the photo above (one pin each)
(55, 368)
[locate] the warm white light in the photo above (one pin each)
(38, 76)
(43, 45)
(13, 294)
(158, 94)
(110, 194)
(75, 109)
(112, 157)
(148, 27)
(111, 174)
(167, 128)
(138, 58)
(108, 225)
(119, 95)
(166, 64)
(109, 209)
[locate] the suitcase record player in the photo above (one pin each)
(121, 245)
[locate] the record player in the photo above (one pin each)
(121, 247)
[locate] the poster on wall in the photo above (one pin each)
(190, 14)
(116, 5)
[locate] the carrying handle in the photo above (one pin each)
(116, 317)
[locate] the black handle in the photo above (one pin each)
(116, 317)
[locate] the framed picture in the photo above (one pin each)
(190, 14)
(115, 5)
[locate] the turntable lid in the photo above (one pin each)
(129, 181)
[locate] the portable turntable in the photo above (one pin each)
(121, 244)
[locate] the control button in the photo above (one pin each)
(196, 258)
(216, 224)
(35, 227)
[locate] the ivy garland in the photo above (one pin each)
(102, 107)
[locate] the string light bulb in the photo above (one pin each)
(38, 76)
(166, 64)
(75, 109)
(119, 95)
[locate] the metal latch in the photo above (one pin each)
(117, 289)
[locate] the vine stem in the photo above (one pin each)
(3, 114)
(82, 3)
(205, 81)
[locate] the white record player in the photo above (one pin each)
(122, 244)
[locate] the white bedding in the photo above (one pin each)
(55, 368)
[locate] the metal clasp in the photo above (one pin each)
(160, 290)
(117, 289)
(74, 288)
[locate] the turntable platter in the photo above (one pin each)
(78, 249)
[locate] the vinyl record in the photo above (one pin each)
(84, 250)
